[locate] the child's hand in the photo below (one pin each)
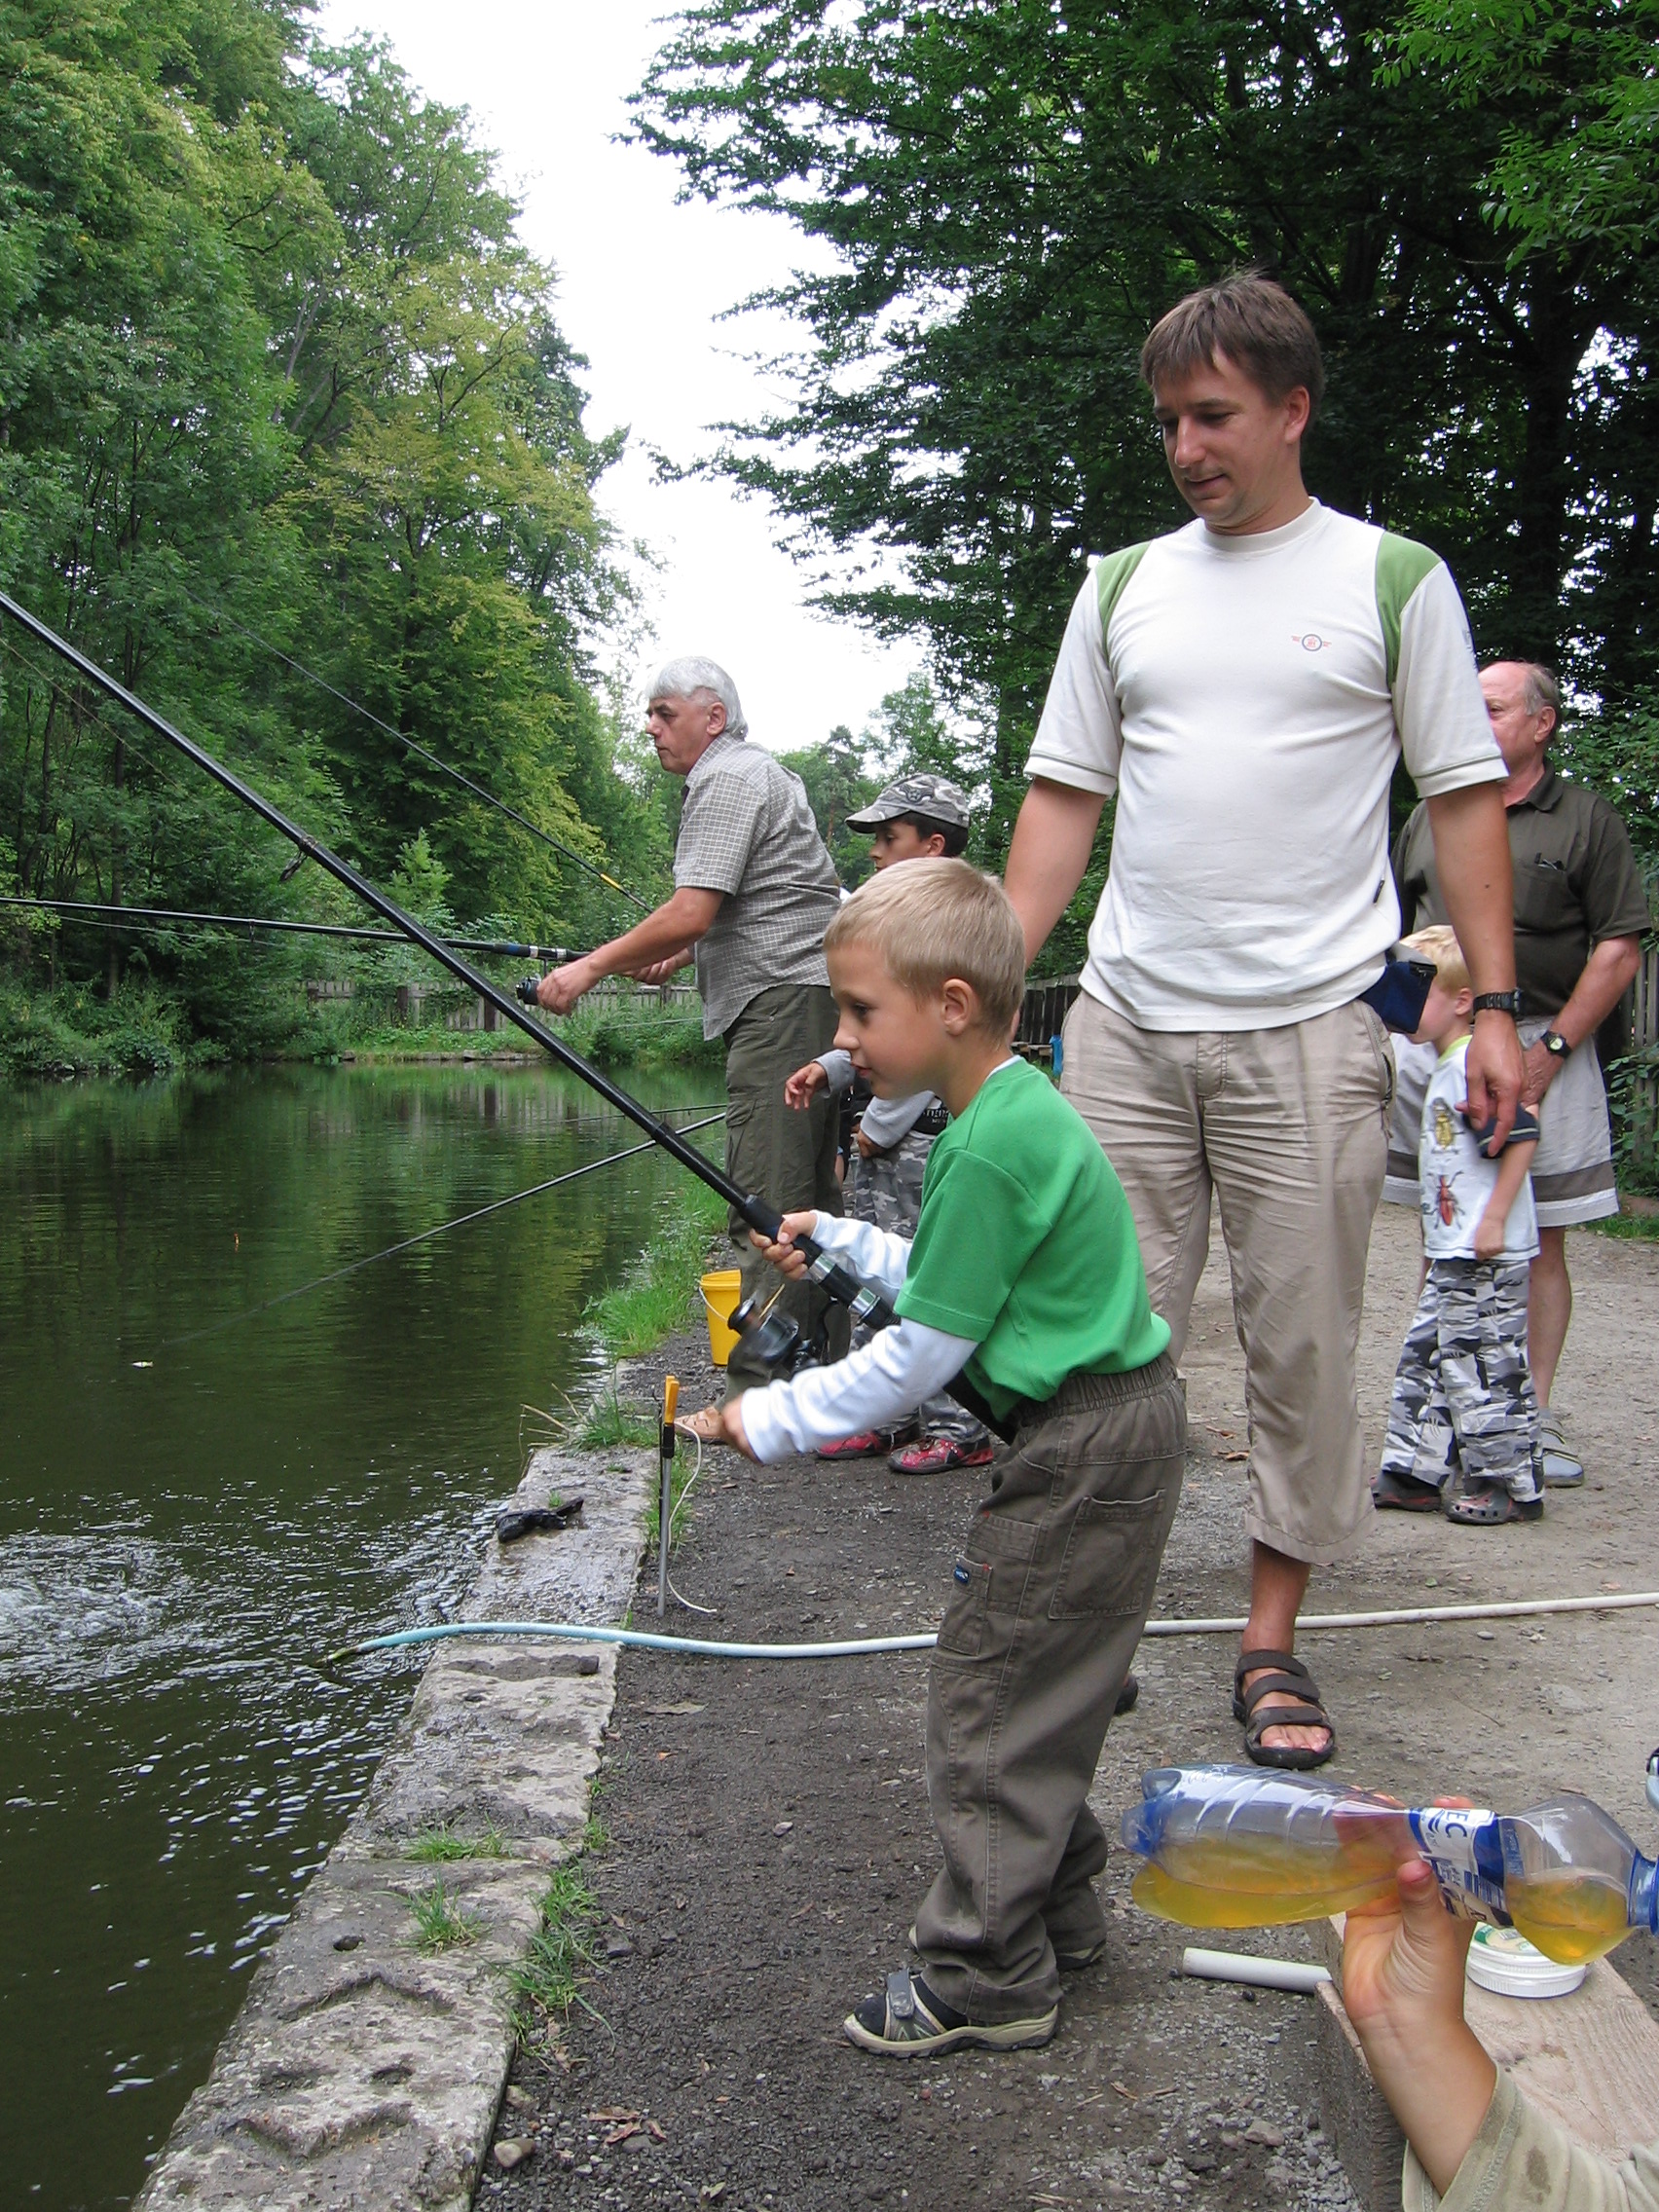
(1403, 1962)
(782, 1254)
(804, 1086)
(721, 1425)
(1489, 1234)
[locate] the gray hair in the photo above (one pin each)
(691, 674)
(1539, 689)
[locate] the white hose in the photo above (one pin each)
(1253, 1973)
(577, 1632)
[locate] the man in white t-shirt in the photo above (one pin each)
(1244, 687)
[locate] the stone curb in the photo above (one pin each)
(363, 2072)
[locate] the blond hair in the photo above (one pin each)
(1440, 946)
(932, 920)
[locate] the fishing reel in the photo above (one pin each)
(524, 990)
(777, 1339)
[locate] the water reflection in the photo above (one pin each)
(178, 1538)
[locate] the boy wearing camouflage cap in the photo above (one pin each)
(920, 817)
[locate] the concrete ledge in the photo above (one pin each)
(363, 2072)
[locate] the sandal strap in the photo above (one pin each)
(1305, 1691)
(1250, 1661)
(1297, 1716)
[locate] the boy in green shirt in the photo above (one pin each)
(1025, 1278)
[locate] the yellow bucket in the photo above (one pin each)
(721, 1291)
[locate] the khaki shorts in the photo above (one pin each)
(1572, 1169)
(1288, 1129)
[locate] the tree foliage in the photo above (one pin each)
(276, 365)
(1011, 195)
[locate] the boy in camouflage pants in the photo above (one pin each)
(1463, 1420)
(920, 817)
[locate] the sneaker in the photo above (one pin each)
(1563, 1470)
(937, 1455)
(868, 1443)
(906, 2020)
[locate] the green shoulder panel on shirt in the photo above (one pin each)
(1112, 576)
(1401, 565)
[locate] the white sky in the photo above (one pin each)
(641, 284)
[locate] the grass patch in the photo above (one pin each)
(437, 1847)
(659, 1293)
(546, 1983)
(608, 1423)
(440, 1923)
(1639, 1228)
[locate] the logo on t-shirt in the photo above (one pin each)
(1310, 642)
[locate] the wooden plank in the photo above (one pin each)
(1590, 2060)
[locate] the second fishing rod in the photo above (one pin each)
(836, 1280)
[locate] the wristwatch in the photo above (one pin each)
(1556, 1044)
(1498, 1002)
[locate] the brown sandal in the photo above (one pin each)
(1289, 1673)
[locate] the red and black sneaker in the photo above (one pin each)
(868, 1443)
(937, 1455)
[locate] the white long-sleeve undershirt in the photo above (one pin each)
(872, 1387)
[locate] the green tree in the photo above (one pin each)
(1012, 194)
(838, 781)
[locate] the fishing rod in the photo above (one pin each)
(424, 1236)
(159, 917)
(834, 1280)
(420, 751)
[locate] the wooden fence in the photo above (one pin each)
(418, 1005)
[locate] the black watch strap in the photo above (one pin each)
(1556, 1044)
(1498, 1002)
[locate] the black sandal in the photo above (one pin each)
(1489, 1506)
(1404, 1494)
(1289, 1673)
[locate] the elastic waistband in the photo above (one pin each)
(1082, 1391)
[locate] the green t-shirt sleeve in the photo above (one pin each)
(974, 1207)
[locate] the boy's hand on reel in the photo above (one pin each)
(782, 1254)
(720, 1425)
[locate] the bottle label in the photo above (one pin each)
(1451, 1841)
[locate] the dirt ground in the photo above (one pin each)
(769, 1835)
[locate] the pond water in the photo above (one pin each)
(187, 1520)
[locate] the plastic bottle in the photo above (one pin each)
(1231, 1846)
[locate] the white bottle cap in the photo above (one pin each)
(1501, 1960)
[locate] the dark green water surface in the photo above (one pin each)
(178, 1539)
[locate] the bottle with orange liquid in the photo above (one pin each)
(1231, 1846)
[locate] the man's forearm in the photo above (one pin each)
(1472, 851)
(1052, 839)
(674, 929)
(1609, 974)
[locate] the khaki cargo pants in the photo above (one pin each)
(786, 1157)
(1048, 1600)
(1287, 1127)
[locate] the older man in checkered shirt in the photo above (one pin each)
(755, 890)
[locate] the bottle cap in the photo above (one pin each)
(1501, 1960)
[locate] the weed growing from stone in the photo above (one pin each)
(608, 1423)
(437, 1846)
(544, 1984)
(440, 1923)
(661, 1293)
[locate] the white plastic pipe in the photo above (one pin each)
(1255, 1973)
(865, 1646)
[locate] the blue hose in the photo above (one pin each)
(635, 1639)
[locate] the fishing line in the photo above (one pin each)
(422, 1236)
(684, 1428)
(420, 751)
(642, 1639)
(161, 917)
